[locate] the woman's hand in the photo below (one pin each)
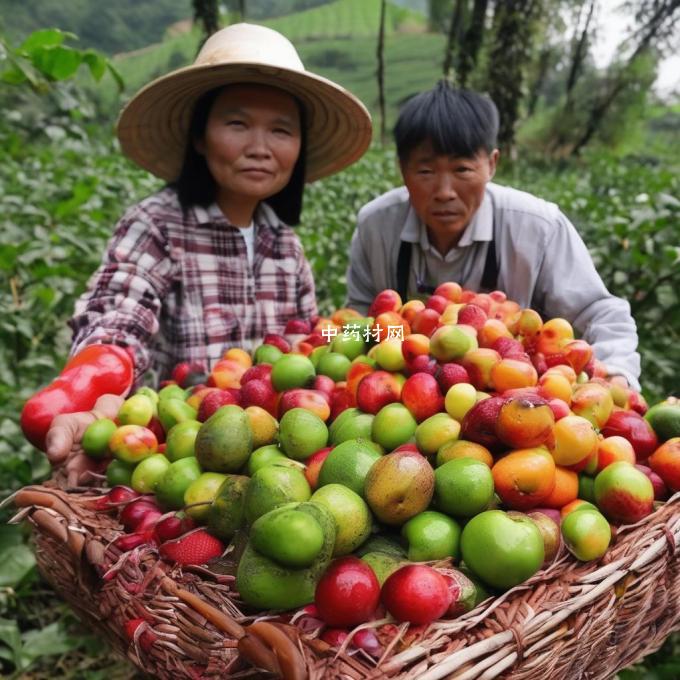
(64, 438)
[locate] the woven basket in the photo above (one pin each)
(571, 620)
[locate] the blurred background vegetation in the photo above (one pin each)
(596, 138)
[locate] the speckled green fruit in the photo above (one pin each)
(202, 490)
(176, 480)
(302, 433)
(291, 538)
(274, 485)
(96, 438)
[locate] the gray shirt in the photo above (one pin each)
(543, 264)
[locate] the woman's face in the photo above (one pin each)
(251, 144)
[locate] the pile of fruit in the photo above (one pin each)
(406, 463)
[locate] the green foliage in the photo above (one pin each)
(112, 27)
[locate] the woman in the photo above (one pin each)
(210, 261)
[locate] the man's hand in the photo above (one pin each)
(64, 438)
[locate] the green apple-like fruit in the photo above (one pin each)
(431, 536)
(502, 551)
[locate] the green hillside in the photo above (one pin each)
(345, 19)
(322, 36)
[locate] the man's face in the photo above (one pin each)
(446, 191)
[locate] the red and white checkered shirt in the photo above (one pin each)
(176, 286)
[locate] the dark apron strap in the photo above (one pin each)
(490, 275)
(403, 269)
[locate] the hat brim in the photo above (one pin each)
(153, 126)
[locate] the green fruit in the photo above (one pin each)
(267, 354)
(586, 488)
(136, 410)
(355, 425)
(291, 538)
(226, 514)
(431, 536)
(172, 392)
(501, 550)
(148, 473)
(152, 395)
(350, 344)
(393, 426)
(665, 419)
(351, 514)
(292, 370)
(348, 464)
(382, 543)
(181, 439)
(302, 433)
(586, 534)
(334, 365)
(265, 455)
(225, 440)
(96, 437)
(118, 472)
(383, 564)
(265, 584)
(172, 411)
(202, 490)
(274, 485)
(176, 480)
(463, 487)
(317, 353)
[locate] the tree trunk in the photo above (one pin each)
(660, 23)
(580, 51)
(454, 38)
(544, 63)
(206, 13)
(515, 22)
(381, 71)
(472, 41)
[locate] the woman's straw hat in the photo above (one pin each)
(154, 125)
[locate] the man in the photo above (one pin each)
(450, 222)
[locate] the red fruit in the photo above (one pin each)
(437, 302)
(633, 427)
(297, 327)
(324, 384)
(425, 322)
(451, 374)
(277, 341)
(416, 593)
(348, 592)
(259, 393)
(316, 340)
(128, 542)
(421, 396)
(341, 400)
(660, 489)
(157, 428)
(334, 636)
(180, 372)
(173, 527)
(197, 547)
(120, 494)
(505, 346)
(539, 362)
(376, 390)
(479, 423)
(387, 300)
(133, 513)
(148, 522)
(407, 447)
(313, 466)
(559, 408)
(212, 401)
(423, 363)
(367, 640)
(257, 372)
(146, 636)
(472, 315)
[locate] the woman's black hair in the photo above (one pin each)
(196, 185)
(456, 122)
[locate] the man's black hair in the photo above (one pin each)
(456, 122)
(196, 186)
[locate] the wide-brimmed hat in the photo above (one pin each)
(153, 127)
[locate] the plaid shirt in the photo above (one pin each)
(176, 286)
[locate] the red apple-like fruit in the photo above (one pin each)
(348, 593)
(451, 374)
(479, 423)
(313, 466)
(421, 396)
(624, 494)
(633, 427)
(377, 390)
(416, 593)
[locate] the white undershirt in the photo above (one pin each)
(248, 234)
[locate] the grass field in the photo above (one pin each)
(337, 41)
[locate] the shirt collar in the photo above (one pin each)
(264, 216)
(479, 229)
